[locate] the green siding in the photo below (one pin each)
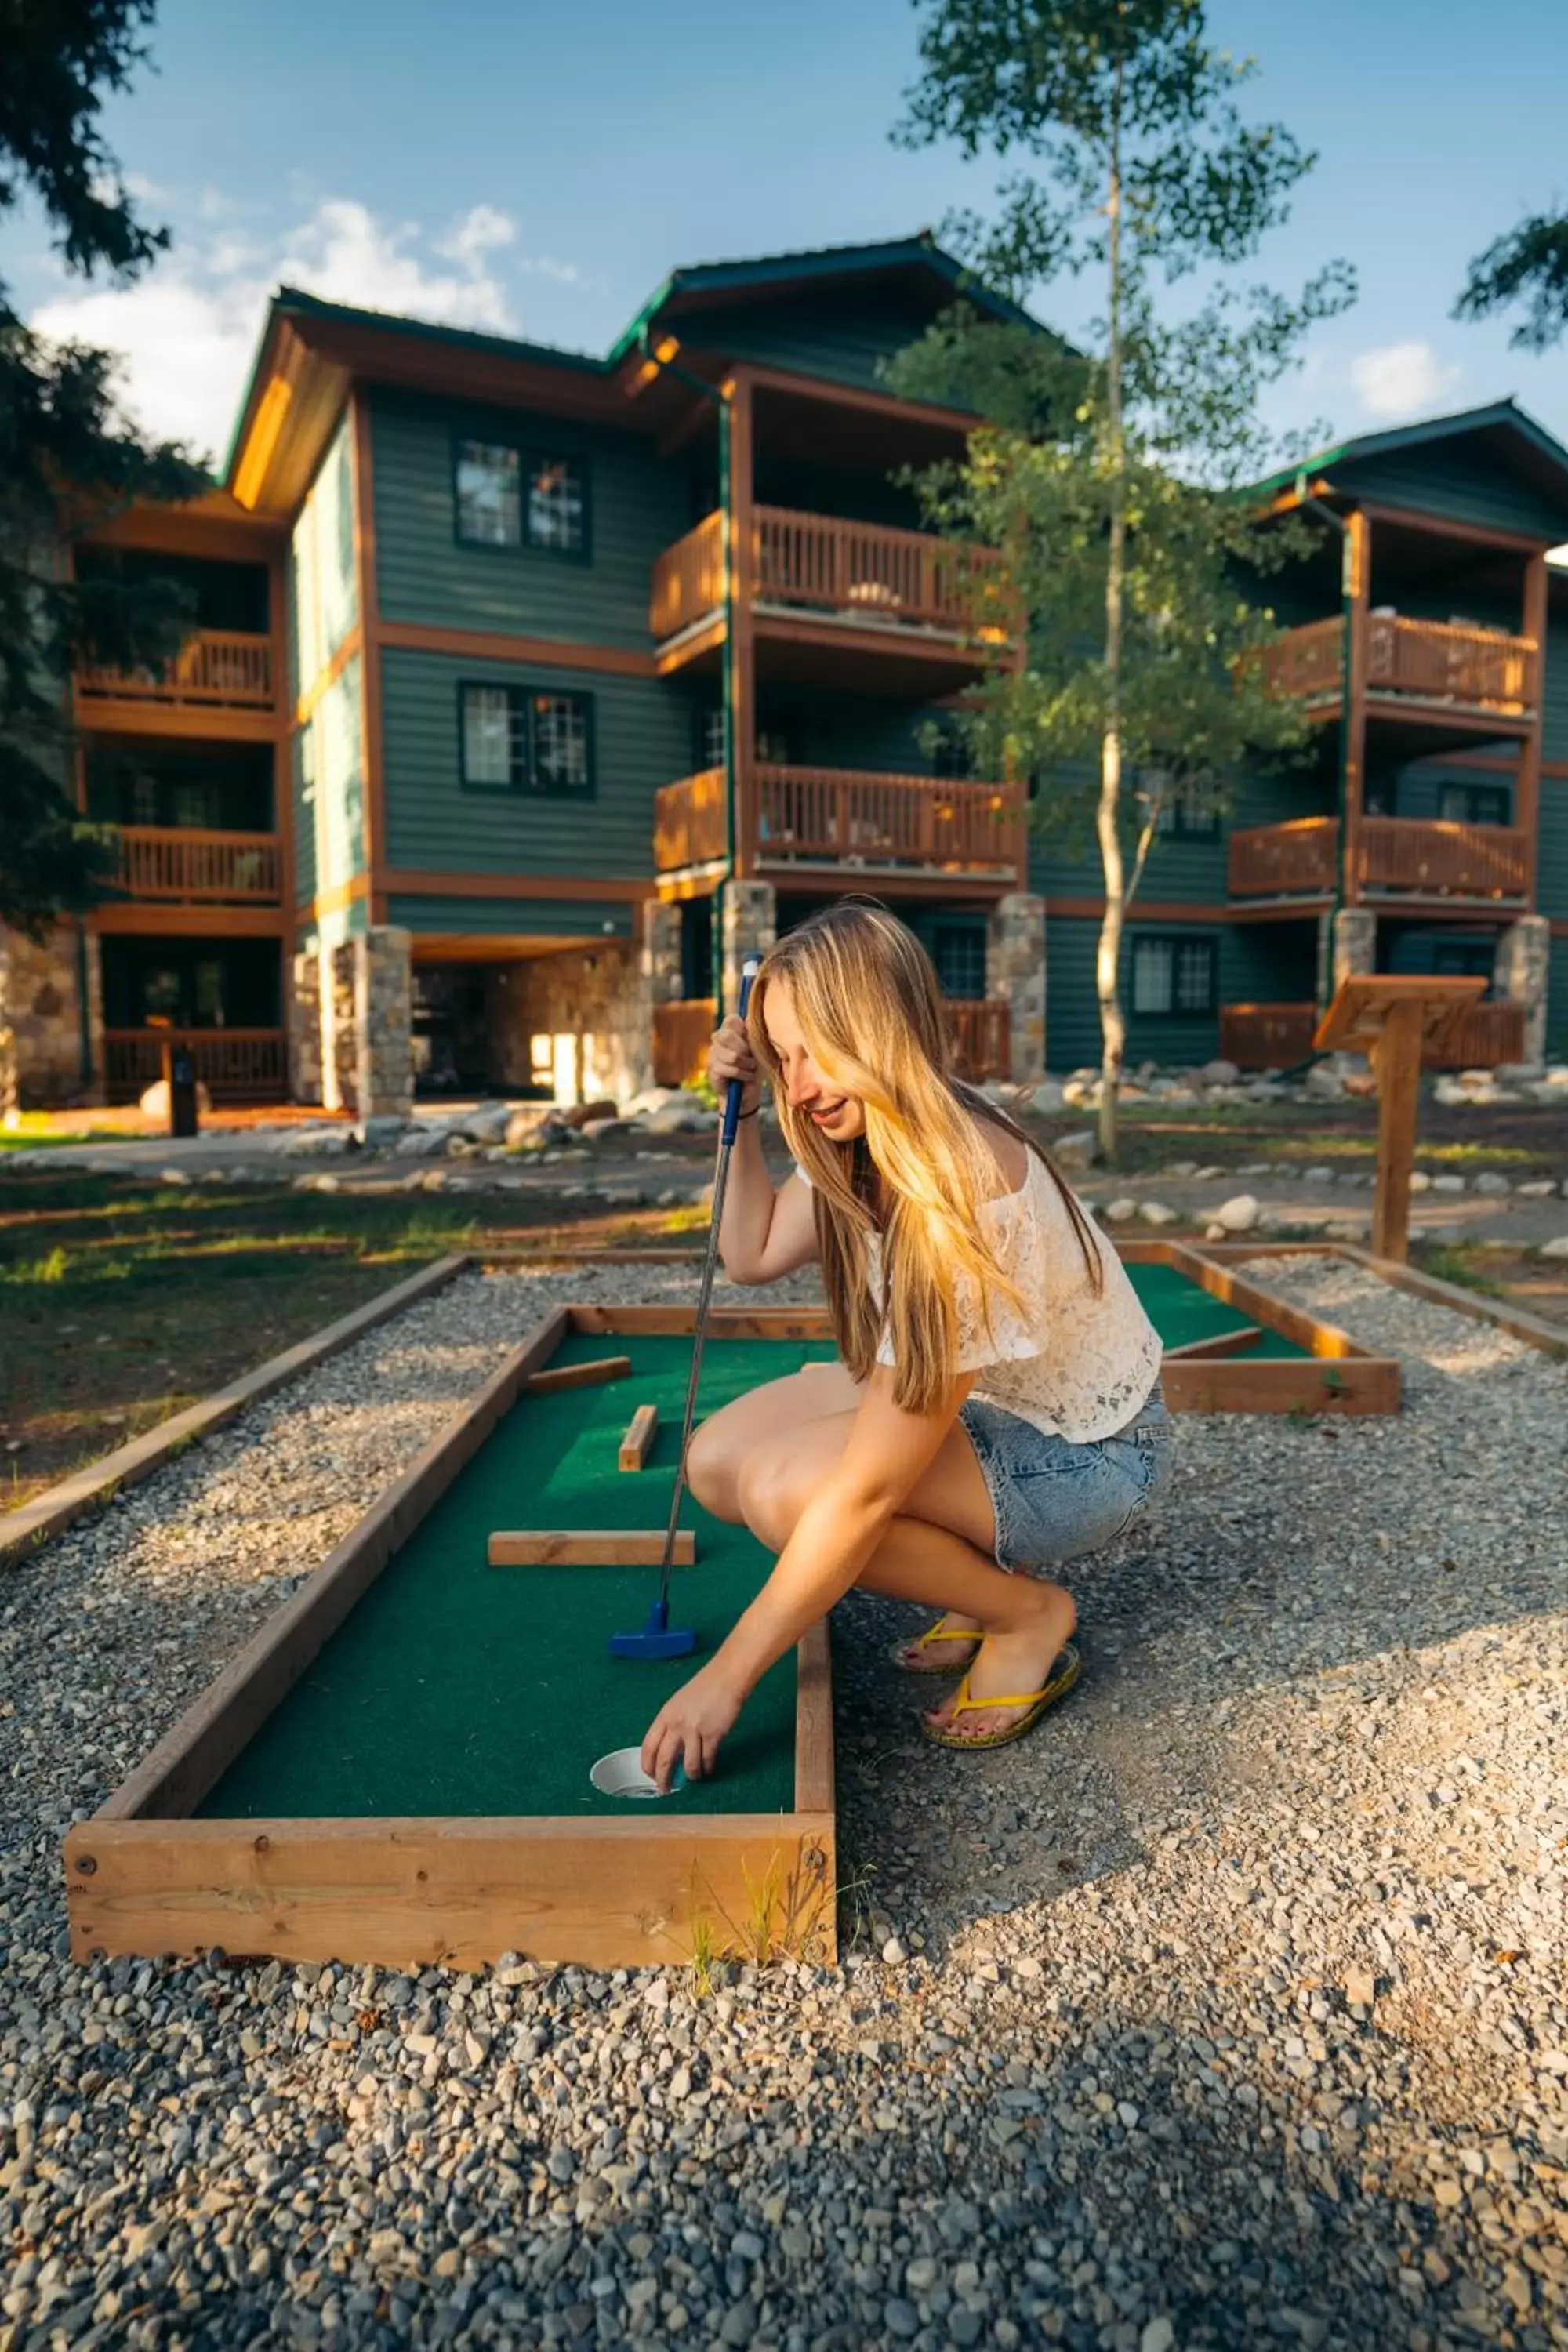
(844, 333)
(642, 739)
(638, 507)
(1554, 693)
(304, 825)
(552, 918)
(1272, 963)
(1552, 889)
(1463, 481)
(1419, 787)
(1557, 1004)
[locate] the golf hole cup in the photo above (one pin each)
(620, 1774)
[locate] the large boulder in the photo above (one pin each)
(485, 1123)
(1074, 1152)
(1046, 1096)
(1155, 1212)
(684, 1116)
(309, 1142)
(1556, 1247)
(423, 1140)
(383, 1132)
(652, 1098)
(1218, 1074)
(1237, 1216)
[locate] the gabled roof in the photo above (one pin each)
(706, 284)
(1508, 431)
(311, 350)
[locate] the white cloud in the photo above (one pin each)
(186, 331)
(1401, 379)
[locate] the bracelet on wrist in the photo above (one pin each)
(753, 1112)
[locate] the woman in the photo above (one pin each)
(997, 1409)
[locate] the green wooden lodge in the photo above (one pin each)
(441, 796)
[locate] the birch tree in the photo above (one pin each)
(1111, 476)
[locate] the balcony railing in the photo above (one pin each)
(688, 824)
(900, 579)
(1267, 1036)
(867, 572)
(234, 1065)
(1437, 665)
(848, 816)
(982, 1036)
(184, 863)
(688, 580)
(213, 669)
(1277, 1037)
(1430, 859)
(1276, 861)
(682, 1030)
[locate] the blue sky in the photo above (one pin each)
(537, 169)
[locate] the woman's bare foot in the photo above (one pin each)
(935, 1656)
(1015, 1659)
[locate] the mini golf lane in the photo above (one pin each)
(458, 1689)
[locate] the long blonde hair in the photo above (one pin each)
(870, 1010)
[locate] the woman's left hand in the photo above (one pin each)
(690, 1727)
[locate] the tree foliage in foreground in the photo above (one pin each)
(67, 457)
(1528, 265)
(1110, 476)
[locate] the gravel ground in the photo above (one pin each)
(1228, 2011)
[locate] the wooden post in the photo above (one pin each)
(1527, 792)
(1398, 1057)
(742, 559)
(1358, 573)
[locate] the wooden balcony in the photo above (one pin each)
(682, 1030)
(185, 864)
(1420, 665)
(1267, 1036)
(1278, 1036)
(235, 1065)
(865, 580)
(982, 1036)
(688, 825)
(1283, 861)
(214, 669)
(1430, 859)
(885, 823)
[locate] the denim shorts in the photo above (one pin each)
(1054, 1500)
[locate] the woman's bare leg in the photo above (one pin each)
(937, 1551)
(728, 1438)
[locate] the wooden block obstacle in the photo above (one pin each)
(637, 1443)
(578, 1376)
(575, 1547)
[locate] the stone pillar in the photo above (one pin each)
(661, 967)
(1015, 972)
(340, 1047)
(748, 915)
(305, 1027)
(1355, 941)
(1519, 976)
(384, 1022)
(51, 1020)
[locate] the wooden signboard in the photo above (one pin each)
(1393, 1018)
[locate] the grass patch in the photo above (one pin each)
(1457, 1262)
(121, 1304)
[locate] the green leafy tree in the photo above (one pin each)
(1528, 265)
(1112, 477)
(67, 459)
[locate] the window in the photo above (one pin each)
(1473, 959)
(1184, 813)
(1173, 975)
(958, 951)
(522, 740)
(708, 733)
(507, 497)
(949, 756)
(1474, 805)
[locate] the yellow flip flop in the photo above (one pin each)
(932, 1635)
(1063, 1674)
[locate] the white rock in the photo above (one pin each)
(685, 1115)
(652, 1098)
(309, 1142)
(1556, 1247)
(1325, 1085)
(1118, 1211)
(1075, 1150)
(1492, 1185)
(1047, 1095)
(1237, 1216)
(1448, 1183)
(422, 1142)
(1419, 1181)
(488, 1123)
(1158, 2337)
(154, 1103)
(380, 1133)
(1218, 1074)
(1155, 1212)
(1541, 1188)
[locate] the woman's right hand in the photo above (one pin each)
(731, 1057)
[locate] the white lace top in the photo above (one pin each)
(1075, 1365)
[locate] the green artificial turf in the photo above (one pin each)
(455, 1688)
(459, 1689)
(1183, 1311)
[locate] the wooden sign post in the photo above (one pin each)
(1392, 1019)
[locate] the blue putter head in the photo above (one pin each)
(658, 1639)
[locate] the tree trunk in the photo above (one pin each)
(1112, 1025)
